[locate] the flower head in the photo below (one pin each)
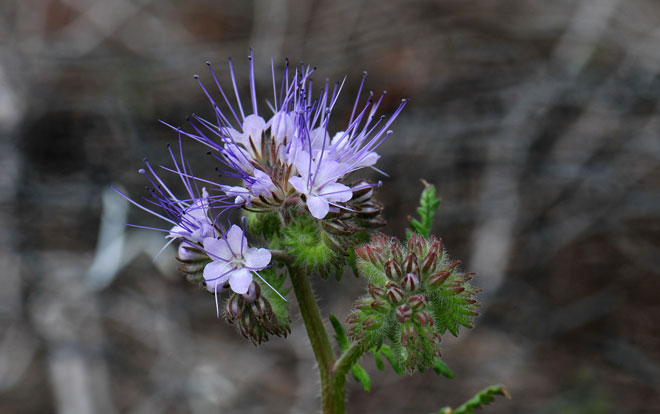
(290, 156)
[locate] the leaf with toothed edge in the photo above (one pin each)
(483, 397)
(428, 204)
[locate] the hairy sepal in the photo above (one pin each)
(310, 247)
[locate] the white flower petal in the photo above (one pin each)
(216, 275)
(318, 206)
(302, 163)
(299, 184)
(236, 240)
(257, 259)
(337, 192)
(240, 280)
(217, 249)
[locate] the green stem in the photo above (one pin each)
(347, 359)
(332, 393)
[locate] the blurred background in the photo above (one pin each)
(537, 121)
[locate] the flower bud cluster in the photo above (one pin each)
(415, 295)
(254, 316)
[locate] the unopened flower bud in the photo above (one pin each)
(437, 279)
(424, 318)
(418, 302)
(253, 292)
(395, 294)
(403, 313)
(410, 282)
(369, 210)
(376, 292)
(393, 269)
(234, 308)
(397, 254)
(410, 264)
(380, 306)
(189, 253)
(361, 252)
(452, 265)
(429, 262)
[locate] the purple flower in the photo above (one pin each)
(318, 182)
(194, 224)
(191, 218)
(233, 261)
(291, 154)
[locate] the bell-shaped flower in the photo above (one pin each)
(233, 261)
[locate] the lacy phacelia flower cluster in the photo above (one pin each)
(283, 161)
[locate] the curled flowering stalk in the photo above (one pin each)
(415, 295)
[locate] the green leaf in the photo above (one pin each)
(387, 352)
(441, 368)
(482, 398)
(340, 333)
(280, 306)
(428, 204)
(361, 376)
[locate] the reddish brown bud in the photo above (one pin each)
(457, 290)
(418, 301)
(410, 282)
(452, 265)
(376, 292)
(395, 294)
(361, 252)
(380, 306)
(368, 323)
(410, 264)
(397, 254)
(403, 313)
(393, 269)
(424, 318)
(438, 278)
(372, 255)
(411, 242)
(430, 261)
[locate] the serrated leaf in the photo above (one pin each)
(482, 398)
(441, 368)
(428, 204)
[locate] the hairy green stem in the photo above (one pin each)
(344, 363)
(332, 394)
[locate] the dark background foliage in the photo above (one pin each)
(536, 120)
